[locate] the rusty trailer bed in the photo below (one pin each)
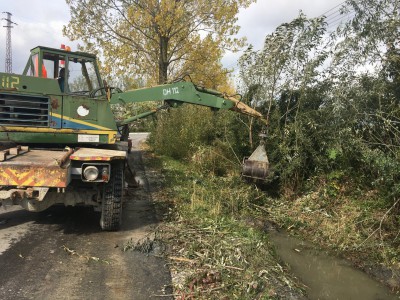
(36, 168)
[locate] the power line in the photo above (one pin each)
(335, 16)
(339, 5)
(339, 18)
(8, 68)
(342, 20)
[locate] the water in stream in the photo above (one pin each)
(325, 276)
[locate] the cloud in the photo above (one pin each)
(41, 22)
(26, 36)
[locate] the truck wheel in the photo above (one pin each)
(111, 210)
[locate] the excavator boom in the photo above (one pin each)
(175, 94)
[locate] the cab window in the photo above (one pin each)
(51, 65)
(82, 77)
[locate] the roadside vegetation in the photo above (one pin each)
(332, 97)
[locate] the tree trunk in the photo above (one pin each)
(163, 61)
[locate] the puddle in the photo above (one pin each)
(325, 276)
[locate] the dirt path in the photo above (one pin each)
(62, 253)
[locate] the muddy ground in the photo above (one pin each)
(61, 253)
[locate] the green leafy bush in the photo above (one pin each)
(180, 131)
(216, 159)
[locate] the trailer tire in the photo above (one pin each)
(111, 207)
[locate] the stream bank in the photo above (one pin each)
(356, 229)
(326, 277)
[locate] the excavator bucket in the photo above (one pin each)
(257, 165)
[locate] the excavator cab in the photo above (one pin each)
(76, 72)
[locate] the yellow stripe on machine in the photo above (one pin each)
(79, 122)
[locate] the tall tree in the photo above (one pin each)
(364, 40)
(154, 38)
(280, 73)
(365, 70)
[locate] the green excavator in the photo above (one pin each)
(60, 142)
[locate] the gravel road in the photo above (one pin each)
(61, 253)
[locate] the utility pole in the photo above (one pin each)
(8, 42)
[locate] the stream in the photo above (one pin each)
(325, 276)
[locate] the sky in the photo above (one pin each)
(40, 22)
